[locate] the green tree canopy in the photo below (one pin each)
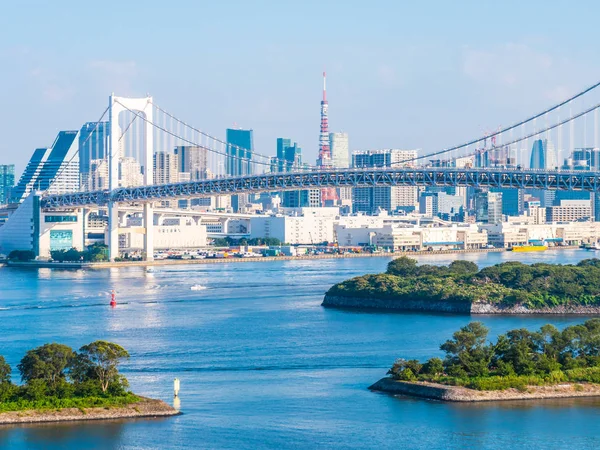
(462, 267)
(5, 370)
(48, 362)
(402, 267)
(101, 358)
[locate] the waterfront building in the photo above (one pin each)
(390, 198)
(570, 211)
(7, 181)
(54, 169)
(509, 234)
(413, 237)
(340, 151)
(239, 152)
(297, 225)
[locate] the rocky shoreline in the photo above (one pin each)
(452, 307)
(146, 407)
(445, 393)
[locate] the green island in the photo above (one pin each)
(507, 288)
(520, 364)
(61, 384)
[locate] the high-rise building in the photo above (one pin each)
(7, 181)
(391, 198)
(289, 156)
(97, 177)
(513, 203)
(488, 207)
(340, 152)
(93, 144)
(194, 161)
(130, 172)
(543, 155)
(165, 168)
(54, 169)
(239, 152)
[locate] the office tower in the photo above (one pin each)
(340, 153)
(165, 168)
(7, 181)
(93, 144)
(193, 160)
(289, 156)
(543, 155)
(54, 169)
(488, 207)
(239, 152)
(391, 198)
(513, 203)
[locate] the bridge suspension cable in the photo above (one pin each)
(506, 129)
(217, 140)
(544, 130)
(184, 139)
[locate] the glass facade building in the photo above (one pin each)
(7, 181)
(239, 152)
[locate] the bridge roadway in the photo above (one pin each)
(488, 177)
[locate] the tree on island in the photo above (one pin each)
(48, 363)
(518, 358)
(100, 360)
(5, 371)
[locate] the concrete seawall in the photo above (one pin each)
(333, 301)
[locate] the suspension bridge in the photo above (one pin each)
(127, 157)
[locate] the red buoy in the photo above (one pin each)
(113, 299)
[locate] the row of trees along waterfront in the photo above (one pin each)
(55, 376)
(510, 283)
(518, 358)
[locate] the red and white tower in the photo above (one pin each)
(328, 195)
(324, 149)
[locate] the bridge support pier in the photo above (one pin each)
(113, 231)
(148, 232)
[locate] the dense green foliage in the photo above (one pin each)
(55, 376)
(94, 253)
(231, 242)
(21, 255)
(506, 284)
(517, 359)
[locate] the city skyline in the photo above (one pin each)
(384, 98)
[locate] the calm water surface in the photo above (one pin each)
(263, 365)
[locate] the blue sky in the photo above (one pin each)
(401, 74)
